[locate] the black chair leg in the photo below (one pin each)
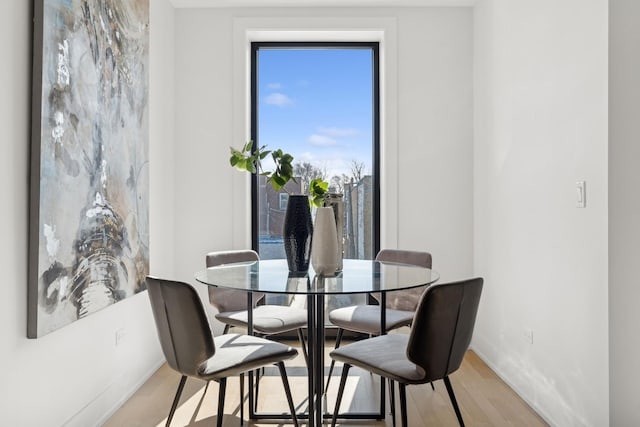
(392, 401)
(242, 399)
(333, 362)
(304, 347)
(343, 381)
(454, 402)
(176, 399)
(432, 386)
(221, 392)
(255, 402)
(403, 404)
(287, 390)
(226, 329)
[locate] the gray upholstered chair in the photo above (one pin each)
(440, 335)
(400, 305)
(232, 304)
(191, 349)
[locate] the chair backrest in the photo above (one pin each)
(442, 327)
(400, 256)
(406, 299)
(183, 328)
(230, 299)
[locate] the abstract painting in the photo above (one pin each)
(88, 236)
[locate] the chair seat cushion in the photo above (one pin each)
(241, 353)
(366, 318)
(267, 319)
(385, 355)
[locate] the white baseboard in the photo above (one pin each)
(541, 413)
(87, 415)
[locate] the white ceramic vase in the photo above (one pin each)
(324, 245)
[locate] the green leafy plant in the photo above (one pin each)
(249, 159)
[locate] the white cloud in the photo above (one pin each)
(333, 160)
(278, 99)
(274, 86)
(322, 140)
(335, 132)
(306, 156)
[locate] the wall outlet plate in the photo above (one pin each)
(581, 194)
(120, 335)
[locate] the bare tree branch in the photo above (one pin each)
(307, 172)
(357, 170)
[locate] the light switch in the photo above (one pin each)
(581, 194)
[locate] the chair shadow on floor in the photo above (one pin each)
(198, 405)
(208, 392)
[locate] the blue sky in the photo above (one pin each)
(316, 104)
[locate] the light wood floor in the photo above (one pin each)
(484, 399)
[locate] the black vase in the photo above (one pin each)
(297, 234)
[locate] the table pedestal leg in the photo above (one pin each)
(311, 347)
(319, 370)
(315, 310)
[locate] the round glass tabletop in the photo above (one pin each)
(357, 276)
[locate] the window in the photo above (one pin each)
(320, 103)
(284, 199)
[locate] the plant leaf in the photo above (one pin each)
(264, 154)
(317, 189)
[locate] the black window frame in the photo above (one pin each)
(375, 49)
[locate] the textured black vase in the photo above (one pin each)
(297, 234)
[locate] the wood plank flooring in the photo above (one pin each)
(484, 399)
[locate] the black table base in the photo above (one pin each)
(315, 344)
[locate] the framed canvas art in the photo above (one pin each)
(88, 236)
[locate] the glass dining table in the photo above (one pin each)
(356, 277)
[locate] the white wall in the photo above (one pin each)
(540, 126)
(435, 134)
(428, 106)
(74, 376)
(624, 205)
(162, 146)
